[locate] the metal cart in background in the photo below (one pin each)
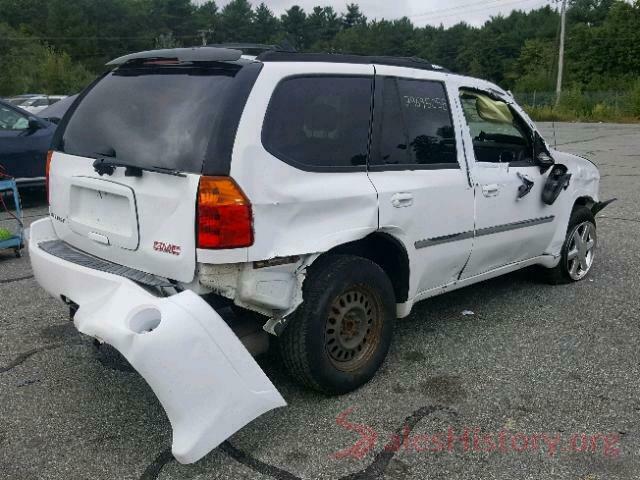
(16, 239)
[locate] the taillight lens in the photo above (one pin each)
(224, 214)
(47, 169)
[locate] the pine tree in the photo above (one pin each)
(236, 22)
(265, 25)
(294, 23)
(353, 17)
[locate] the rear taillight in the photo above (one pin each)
(224, 214)
(47, 169)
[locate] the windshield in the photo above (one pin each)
(19, 101)
(151, 115)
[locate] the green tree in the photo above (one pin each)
(534, 68)
(590, 12)
(265, 25)
(176, 16)
(353, 17)
(206, 16)
(293, 24)
(236, 22)
(31, 67)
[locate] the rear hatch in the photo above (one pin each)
(127, 160)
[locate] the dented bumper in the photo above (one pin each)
(207, 382)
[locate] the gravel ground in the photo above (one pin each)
(533, 369)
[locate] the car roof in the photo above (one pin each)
(58, 109)
(236, 53)
(268, 53)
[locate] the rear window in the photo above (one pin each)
(167, 116)
(320, 123)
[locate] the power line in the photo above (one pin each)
(454, 11)
(448, 9)
(31, 38)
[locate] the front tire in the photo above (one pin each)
(578, 250)
(340, 335)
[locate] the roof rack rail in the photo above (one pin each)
(410, 62)
(255, 48)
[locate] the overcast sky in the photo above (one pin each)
(421, 12)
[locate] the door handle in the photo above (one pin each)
(491, 190)
(402, 200)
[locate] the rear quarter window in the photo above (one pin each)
(320, 122)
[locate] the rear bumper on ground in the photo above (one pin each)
(207, 382)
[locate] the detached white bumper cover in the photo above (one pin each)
(207, 382)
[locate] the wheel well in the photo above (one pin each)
(584, 202)
(388, 253)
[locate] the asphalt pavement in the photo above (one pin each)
(511, 378)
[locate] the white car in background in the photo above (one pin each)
(36, 104)
(320, 195)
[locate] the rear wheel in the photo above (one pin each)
(578, 250)
(340, 335)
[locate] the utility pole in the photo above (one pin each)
(203, 35)
(563, 28)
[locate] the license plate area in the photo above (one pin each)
(104, 210)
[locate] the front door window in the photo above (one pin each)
(498, 134)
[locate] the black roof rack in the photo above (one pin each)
(254, 48)
(410, 62)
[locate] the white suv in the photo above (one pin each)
(319, 195)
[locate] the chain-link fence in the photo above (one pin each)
(574, 105)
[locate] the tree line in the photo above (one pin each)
(58, 46)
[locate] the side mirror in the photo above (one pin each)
(34, 124)
(544, 159)
(542, 156)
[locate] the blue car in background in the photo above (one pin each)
(24, 141)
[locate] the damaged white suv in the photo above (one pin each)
(321, 196)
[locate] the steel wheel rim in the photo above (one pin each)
(353, 328)
(582, 245)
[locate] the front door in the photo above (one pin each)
(418, 168)
(512, 222)
(22, 150)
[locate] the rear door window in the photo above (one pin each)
(320, 122)
(414, 126)
(155, 115)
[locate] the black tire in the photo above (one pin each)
(355, 296)
(560, 274)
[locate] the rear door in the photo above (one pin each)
(160, 120)
(419, 170)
